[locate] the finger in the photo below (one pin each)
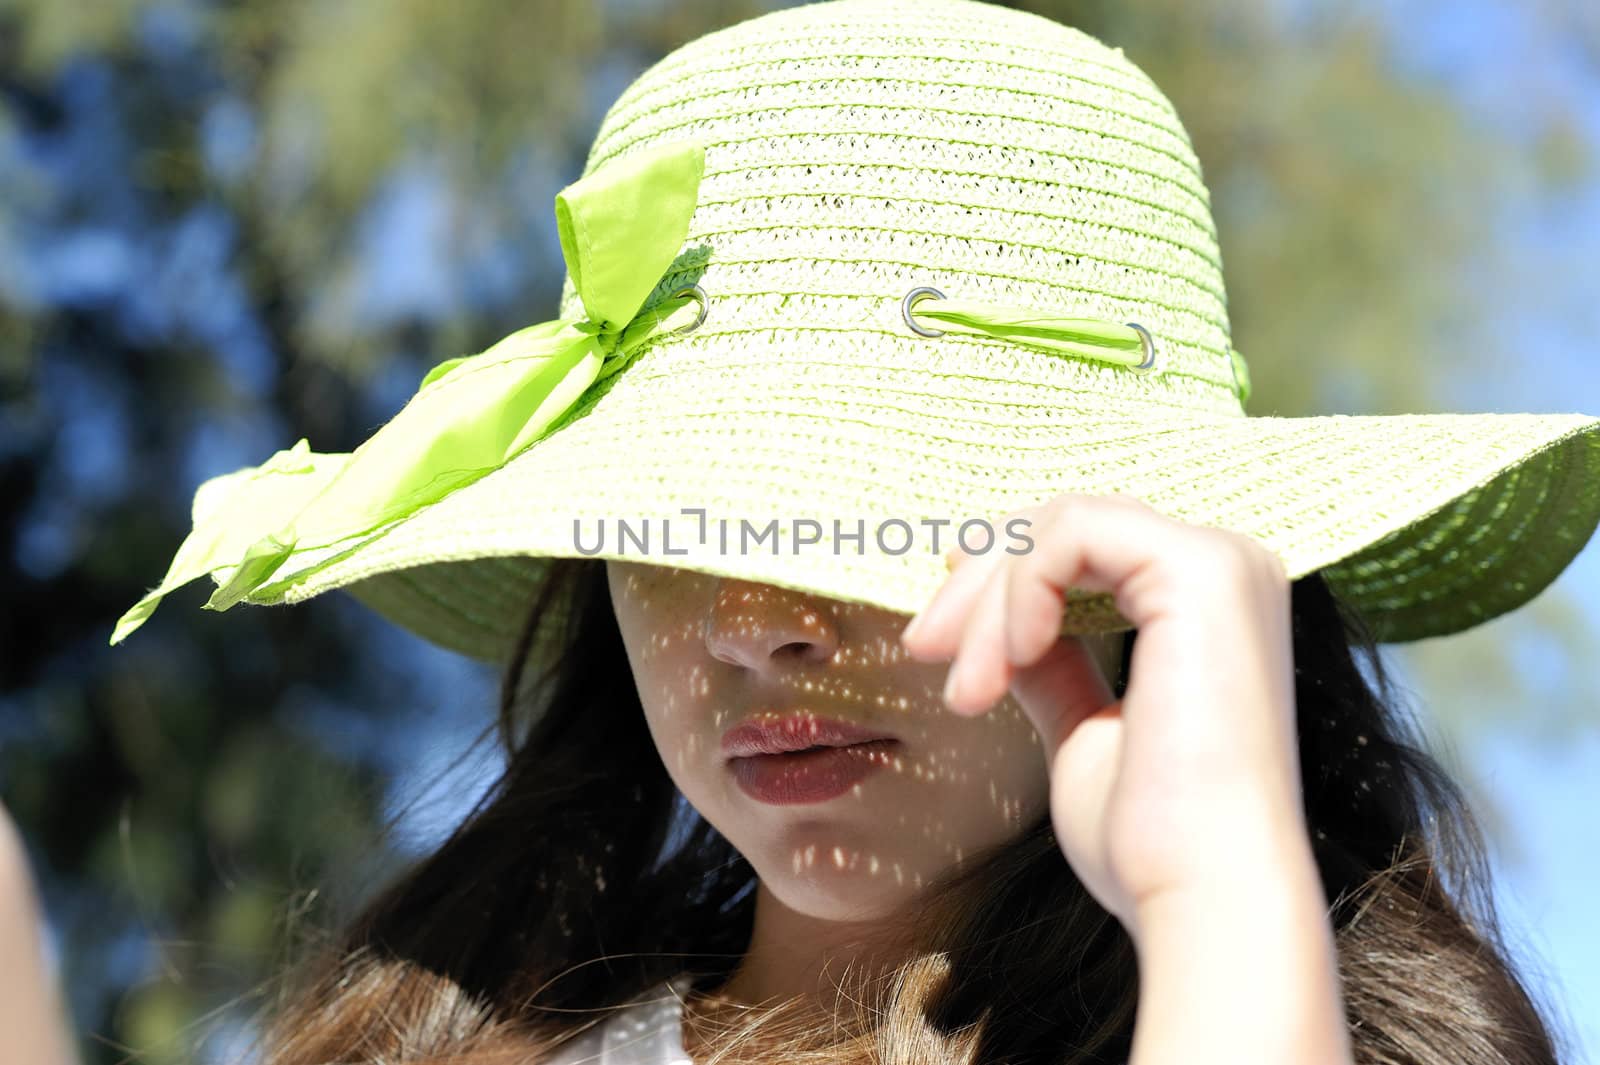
(934, 634)
(1061, 689)
(980, 673)
(1101, 544)
(1039, 581)
(1083, 770)
(1034, 601)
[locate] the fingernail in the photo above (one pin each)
(910, 631)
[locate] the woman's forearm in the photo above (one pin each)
(1242, 970)
(33, 1026)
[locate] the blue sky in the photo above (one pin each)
(1506, 67)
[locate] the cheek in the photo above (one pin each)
(1001, 779)
(1005, 765)
(1018, 755)
(660, 632)
(968, 784)
(650, 607)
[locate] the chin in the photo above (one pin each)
(848, 899)
(843, 883)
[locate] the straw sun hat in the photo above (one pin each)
(857, 268)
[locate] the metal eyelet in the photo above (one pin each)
(1147, 342)
(912, 298)
(700, 294)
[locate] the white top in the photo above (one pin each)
(648, 1030)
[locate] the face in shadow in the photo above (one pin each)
(711, 653)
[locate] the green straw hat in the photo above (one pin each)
(845, 271)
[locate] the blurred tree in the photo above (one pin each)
(199, 262)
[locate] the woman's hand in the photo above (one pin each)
(1179, 805)
(1194, 774)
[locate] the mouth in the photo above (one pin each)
(798, 732)
(814, 775)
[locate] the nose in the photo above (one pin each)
(766, 628)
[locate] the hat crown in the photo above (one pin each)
(856, 149)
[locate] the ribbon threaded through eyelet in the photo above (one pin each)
(1128, 345)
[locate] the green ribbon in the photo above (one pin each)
(1086, 338)
(621, 227)
(1241, 374)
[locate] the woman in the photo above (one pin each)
(993, 937)
(1002, 906)
(1158, 813)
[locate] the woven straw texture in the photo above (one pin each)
(856, 149)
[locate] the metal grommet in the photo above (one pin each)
(700, 294)
(911, 298)
(1148, 343)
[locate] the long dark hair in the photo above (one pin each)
(583, 878)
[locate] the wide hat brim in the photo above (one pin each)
(856, 153)
(1426, 524)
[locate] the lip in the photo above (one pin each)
(773, 760)
(794, 732)
(809, 776)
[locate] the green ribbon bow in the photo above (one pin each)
(621, 227)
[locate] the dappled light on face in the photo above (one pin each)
(802, 730)
(851, 860)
